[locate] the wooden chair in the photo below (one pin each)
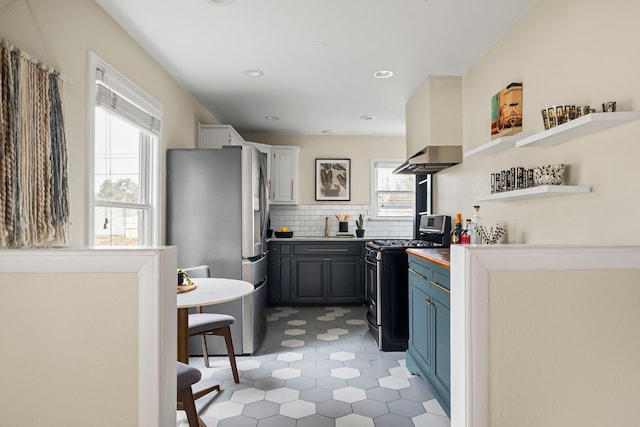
(187, 376)
(204, 324)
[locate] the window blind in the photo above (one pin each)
(123, 107)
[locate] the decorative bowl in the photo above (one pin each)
(491, 235)
(283, 234)
(549, 174)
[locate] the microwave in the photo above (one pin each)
(435, 228)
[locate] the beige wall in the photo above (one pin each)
(360, 149)
(564, 52)
(564, 348)
(61, 33)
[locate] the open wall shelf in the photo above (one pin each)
(585, 125)
(535, 193)
(494, 146)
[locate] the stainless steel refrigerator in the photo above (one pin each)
(218, 214)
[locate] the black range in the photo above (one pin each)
(387, 288)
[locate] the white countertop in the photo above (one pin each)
(210, 291)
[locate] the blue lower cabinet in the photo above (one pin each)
(442, 350)
(420, 321)
(429, 351)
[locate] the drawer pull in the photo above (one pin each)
(439, 286)
(417, 274)
(327, 250)
(428, 302)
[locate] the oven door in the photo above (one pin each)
(372, 283)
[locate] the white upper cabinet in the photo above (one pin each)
(217, 136)
(284, 175)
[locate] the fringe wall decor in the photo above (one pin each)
(34, 192)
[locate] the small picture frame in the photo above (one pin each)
(333, 179)
(506, 111)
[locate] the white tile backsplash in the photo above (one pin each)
(308, 221)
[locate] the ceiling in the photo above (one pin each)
(318, 56)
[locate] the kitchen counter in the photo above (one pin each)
(324, 239)
(308, 270)
(439, 256)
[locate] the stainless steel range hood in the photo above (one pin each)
(431, 159)
(434, 126)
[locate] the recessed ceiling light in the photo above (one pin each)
(272, 118)
(253, 73)
(368, 117)
(222, 2)
(319, 44)
(329, 132)
(382, 74)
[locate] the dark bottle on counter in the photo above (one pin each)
(457, 230)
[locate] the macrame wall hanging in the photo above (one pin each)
(34, 192)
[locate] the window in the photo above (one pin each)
(126, 126)
(392, 195)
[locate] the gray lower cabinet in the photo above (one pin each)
(309, 280)
(428, 353)
(279, 275)
(345, 280)
(306, 273)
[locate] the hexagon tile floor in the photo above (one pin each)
(318, 367)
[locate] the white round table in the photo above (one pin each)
(209, 291)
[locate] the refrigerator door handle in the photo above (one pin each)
(259, 285)
(265, 183)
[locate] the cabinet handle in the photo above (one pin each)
(417, 274)
(428, 302)
(327, 250)
(439, 286)
(292, 189)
